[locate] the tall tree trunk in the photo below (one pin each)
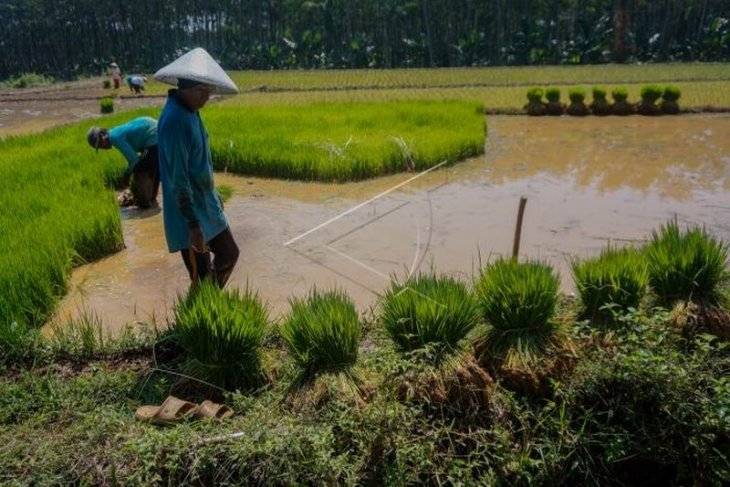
(620, 31)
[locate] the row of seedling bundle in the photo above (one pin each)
(655, 100)
(505, 325)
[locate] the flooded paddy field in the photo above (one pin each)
(588, 182)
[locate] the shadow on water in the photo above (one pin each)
(588, 182)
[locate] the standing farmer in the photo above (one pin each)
(137, 141)
(116, 75)
(195, 224)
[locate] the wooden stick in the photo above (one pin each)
(194, 265)
(518, 228)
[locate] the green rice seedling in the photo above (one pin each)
(222, 332)
(535, 106)
(669, 103)
(428, 313)
(554, 107)
(225, 191)
(518, 302)
(615, 281)
(344, 141)
(577, 105)
(107, 105)
(322, 333)
(649, 96)
(687, 265)
(600, 105)
(107, 84)
(621, 106)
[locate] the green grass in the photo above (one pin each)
(322, 333)
(343, 141)
(428, 312)
(222, 333)
(686, 265)
(518, 301)
(615, 281)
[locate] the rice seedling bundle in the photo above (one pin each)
(322, 332)
(616, 280)
(687, 265)
(222, 332)
(518, 302)
(428, 311)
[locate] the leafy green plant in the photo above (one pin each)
(107, 105)
(518, 302)
(620, 94)
(577, 105)
(669, 103)
(614, 281)
(687, 265)
(28, 80)
(428, 311)
(552, 94)
(322, 332)
(600, 105)
(222, 332)
(599, 93)
(651, 93)
(534, 95)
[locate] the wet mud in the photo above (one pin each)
(588, 182)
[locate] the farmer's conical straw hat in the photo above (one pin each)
(197, 65)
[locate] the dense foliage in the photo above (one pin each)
(64, 37)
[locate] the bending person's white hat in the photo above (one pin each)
(197, 65)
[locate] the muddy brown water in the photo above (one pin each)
(588, 182)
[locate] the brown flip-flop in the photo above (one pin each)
(210, 409)
(171, 411)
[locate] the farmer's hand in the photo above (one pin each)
(197, 243)
(124, 182)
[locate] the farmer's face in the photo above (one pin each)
(104, 142)
(196, 97)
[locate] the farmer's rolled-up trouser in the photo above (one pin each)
(146, 178)
(226, 252)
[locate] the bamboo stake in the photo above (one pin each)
(518, 228)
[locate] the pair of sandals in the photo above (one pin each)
(174, 410)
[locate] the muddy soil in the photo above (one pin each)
(28, 110)
(588, 182)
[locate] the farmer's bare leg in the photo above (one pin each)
(143, 189)
(225, 253)
(203, 266)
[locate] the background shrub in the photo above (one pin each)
(222, 332)
(428, 311)
(322, 332)
(617, 278)
(686, 265)
(28, 80)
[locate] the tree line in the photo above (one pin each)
(70, 37)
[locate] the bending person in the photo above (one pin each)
(137, 141)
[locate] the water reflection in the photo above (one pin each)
(587, 181)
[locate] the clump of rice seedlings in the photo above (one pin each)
(535, 106)
(577, 105)
(107, 105)
(322, 333)
(221, 332)
(621, 106)
(554, 107)
(428, 312)
(428, 317)
(649, 96)
(687, 270)
(600, 105)
(669, 103)
(225, 191)
(611, 283)
(523, 341)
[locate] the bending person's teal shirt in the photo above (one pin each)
(186, 171)
(134, 137)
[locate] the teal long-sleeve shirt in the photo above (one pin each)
(186, 173)
(134, 137)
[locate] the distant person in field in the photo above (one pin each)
(116, 75)
(195, 224)
(136, 83)
(137, 141)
